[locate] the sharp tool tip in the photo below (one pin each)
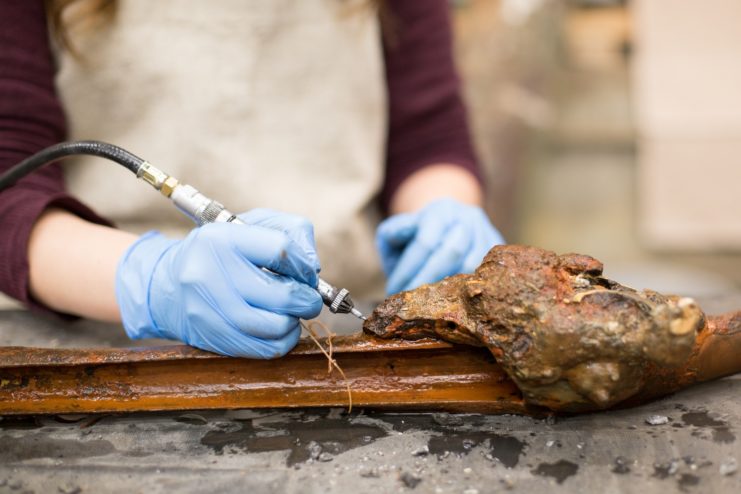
(358, 314)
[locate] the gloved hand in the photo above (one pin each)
(445, 237)
(208, 290)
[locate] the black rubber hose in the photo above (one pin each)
(64, 149)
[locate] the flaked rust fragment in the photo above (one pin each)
(571, 339)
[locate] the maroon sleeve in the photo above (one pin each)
(427, 118)
(31, 118)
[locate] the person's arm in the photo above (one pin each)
(31, 118)
(433, 187)
(429, 150)
(435, 182)
(73, 264)
(208, 290)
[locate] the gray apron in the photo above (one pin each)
(277, 104)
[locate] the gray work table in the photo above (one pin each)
(328, 451)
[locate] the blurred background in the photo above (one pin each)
(613, 128)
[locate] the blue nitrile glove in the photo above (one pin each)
(445, 237)
(208, 290)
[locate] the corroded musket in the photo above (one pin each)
(562, 337)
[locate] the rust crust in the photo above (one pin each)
(570, 339)
(420, 375)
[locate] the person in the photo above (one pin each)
(312, 107)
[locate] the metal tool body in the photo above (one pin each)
(202, 209)
(188, 199)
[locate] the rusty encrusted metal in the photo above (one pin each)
(569, 338)
(564, 338)
(420, 375)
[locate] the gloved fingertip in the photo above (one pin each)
(256, 215)
(392, 288)
(316, 307)
(284, 345)
(310, 277)
(397, 228)
(310, 304)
